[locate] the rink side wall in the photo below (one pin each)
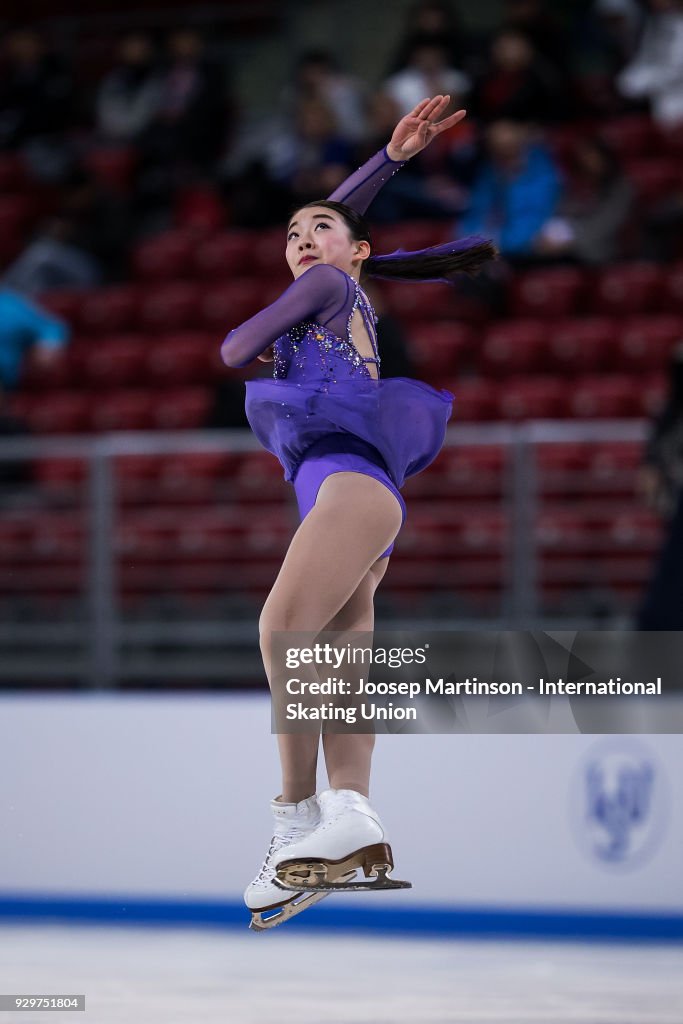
(127, 808)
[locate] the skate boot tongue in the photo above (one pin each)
(293, 820)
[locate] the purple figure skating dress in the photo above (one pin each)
(323, 411)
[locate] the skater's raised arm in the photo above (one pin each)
(316, 294)
(412, 133)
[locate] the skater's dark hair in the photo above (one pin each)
(438, 263)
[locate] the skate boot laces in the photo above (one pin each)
(279, 840)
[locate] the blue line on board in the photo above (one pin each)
(448, 922)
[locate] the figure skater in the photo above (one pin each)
(346, 440)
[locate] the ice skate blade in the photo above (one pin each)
(335, 876)
(259, 923)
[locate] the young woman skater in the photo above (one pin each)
(347, 440)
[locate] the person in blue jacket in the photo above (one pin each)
(22, 325)
(515, 192)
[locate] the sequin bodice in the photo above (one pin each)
(311, 352)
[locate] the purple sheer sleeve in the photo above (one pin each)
(317, 293)
(361, 187)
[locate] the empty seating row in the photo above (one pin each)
(517, 398)
(178, 304)
(441, 348)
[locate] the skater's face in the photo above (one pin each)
(319, 235)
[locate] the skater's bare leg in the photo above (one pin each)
(352, 523)
(348, 756)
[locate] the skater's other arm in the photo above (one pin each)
(315, 295)
(412, 133)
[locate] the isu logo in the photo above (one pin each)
(620, 791)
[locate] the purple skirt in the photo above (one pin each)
(402, 419)
(338, 453)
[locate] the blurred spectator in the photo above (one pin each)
(432, 21)
(428, 72)
(656, 71)
(313, 157)
(519, 84)
(36, 103)
(428, 185)
(591, 217)
(515, 193)
(53, 261)
(84, 244)
(533, 19)
(610, 35)
(23, 324)
(318, 76)
(186, 136)
(661, 483)
(129, 96)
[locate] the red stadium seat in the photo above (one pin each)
(475, 399)
(183, 358)
(163, 257)
(673, 289)
(199, 208)
(634, 135)
(113, 361)
(268, 252)
(109, 310)
(12, 172)
(645, 343)
(654, 178)
(438, 348)
(524, 398)
(560, 468)
(409, 236)
(516, 346)
(137, 477)
(603, 397)
(59, 412)
(195, 476)
(122, 410)
(185, 409)
(258, 477)
(652, 393)
(112, 165)
(170, 306)
(628, 288)
(225, 306)
(582, 345)
(610, 468)
(64, 304)
(222, 256)
(60, 474)
(421, 301)
(59, 374)
(552, 292)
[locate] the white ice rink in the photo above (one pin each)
(168, 976)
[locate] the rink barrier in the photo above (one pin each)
(435, 922)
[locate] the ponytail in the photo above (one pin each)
(438, 263)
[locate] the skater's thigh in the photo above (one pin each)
(358, 613)
(336, 546)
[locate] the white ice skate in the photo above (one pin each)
(350, 836)
(292, 823)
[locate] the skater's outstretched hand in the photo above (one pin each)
(417, 129)
(268, 356)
